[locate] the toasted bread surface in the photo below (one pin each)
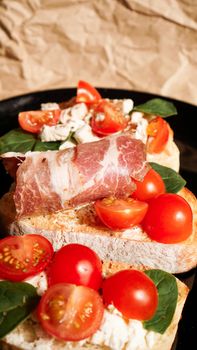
(131, 246)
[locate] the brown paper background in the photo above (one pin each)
(145, 45)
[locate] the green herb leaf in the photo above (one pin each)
(13, 294)
(157, 106)
(168, 296)
(172, 180)
(17, 301)
(46, 146)
(17, 140)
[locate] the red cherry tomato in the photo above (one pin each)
(158, 131)
(23, 256)
(87, 93)
(120, 213)
(33, 121)
(70, 312)
(168, 219)
(133, 293)
(107, 119)
(151, 186)
(77, 264)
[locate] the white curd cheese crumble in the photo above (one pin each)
(141, 126)
(127, 106)
(49, 106)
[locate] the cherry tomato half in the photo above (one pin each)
(168, 219)
(33, 121)
(24, 256)
(158, 131)
(133, 293)
(77, 264)
(70, 312)
(151, 186)
(120, 213)
(107, 119)
(87, 93)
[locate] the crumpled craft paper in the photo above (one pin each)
(143, 45)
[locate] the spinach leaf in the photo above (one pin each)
(157, 106)
(168, 296)
(45, 146)
(17, 301)
(172, 180)
(17, 140)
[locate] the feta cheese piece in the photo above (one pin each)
(66, 144)
(85, 134)
(136, 117)
(127, 106)
(113, 331)
(140, 131)
(57, 132)
(75, 124)
(77, 112)
(49, 106)
(117, 333)
(65, 115)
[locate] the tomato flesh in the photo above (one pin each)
(77, 264)
(158, 131)
(70, 312)
(133, 293)
(24, 256)
(87, 93)
(33, 121)
(120, 213)
(107, 119)
(151, 186)
(168, 219)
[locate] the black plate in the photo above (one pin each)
(185, 137)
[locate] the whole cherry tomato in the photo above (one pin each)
(168, 219)
(77, 264)
(133, 293)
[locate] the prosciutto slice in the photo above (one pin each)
(54, 180)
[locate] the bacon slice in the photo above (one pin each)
(55, 180)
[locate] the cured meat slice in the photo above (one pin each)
(11, 162)
(55, 180)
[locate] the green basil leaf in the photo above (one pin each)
(17, 140)
(172, 180)
(168, 296)
(46, 146)
(157, 106)
(14, 294)
(18, 306)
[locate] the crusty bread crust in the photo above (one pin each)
(27, 334)
(131, 246)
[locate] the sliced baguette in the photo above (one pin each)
(81, 225)
(30, 336)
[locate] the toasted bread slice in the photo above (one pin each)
(30, 336)
(81, 225)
